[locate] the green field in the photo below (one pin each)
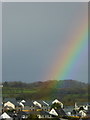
(40, 91)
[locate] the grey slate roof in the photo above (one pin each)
(28, 103)
(12, 100)
(60, 112)
(87, 112)
(44, 113)
(42, 103)
(40, 112)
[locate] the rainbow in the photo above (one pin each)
(77, 43)
(62, 66)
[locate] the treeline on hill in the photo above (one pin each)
(68, 91)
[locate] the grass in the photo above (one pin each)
(37, 93)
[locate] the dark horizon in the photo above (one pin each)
(47, 81)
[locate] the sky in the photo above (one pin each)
(35, 35)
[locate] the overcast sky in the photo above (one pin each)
(33, 35)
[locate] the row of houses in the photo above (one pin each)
(13, 109)
(27, 105)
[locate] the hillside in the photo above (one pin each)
(69, 91)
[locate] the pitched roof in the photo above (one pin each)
(23, 101)
(12, 100)
(36, 103)
(9, 99)
(86, 111)
(49, 102)
(5, 115)
(28, 103)
(44, 113)
(53, 112)
(43, 103)
(60, 112)
(56, 101)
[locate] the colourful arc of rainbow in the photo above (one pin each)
(78, 42)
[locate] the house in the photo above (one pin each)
(6, 116)
(44, 106)
(43, 103)
(32, 106)
(57, 101)
(85, 113)
(9, 105)
(28, 105)
(10, 102)
(85, 107)
(21, 105)
(23, 101)
(37, 103)
(58, 112)
(53, 112)
(76, 107)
